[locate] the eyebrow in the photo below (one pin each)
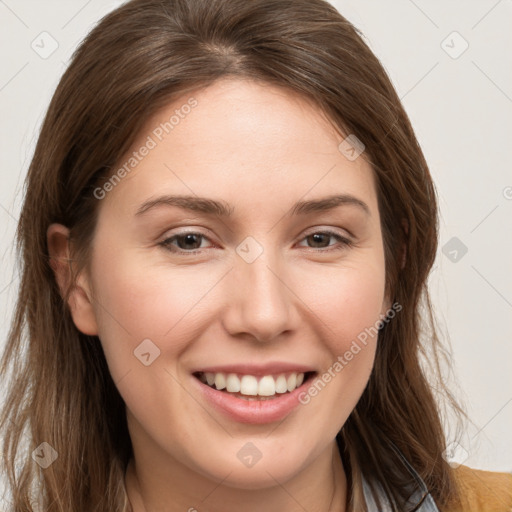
(223, 209)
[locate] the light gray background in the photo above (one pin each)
(461, 109)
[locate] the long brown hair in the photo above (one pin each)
(139, 58)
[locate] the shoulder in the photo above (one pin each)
(483, 491)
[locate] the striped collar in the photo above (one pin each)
(427, 505)
(420, 499)
(420, 494)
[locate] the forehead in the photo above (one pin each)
(247, 142)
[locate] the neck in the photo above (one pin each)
(321, 487)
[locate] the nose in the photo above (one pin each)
(261, 302)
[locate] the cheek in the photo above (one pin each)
(147, 317)
(347, 305)
(135, 301)
(347, 300)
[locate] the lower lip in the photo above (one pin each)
(252, 411)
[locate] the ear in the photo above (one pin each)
(405, 226)
(80, 296)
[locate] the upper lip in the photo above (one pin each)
(272, 368)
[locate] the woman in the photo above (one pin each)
(274, 364)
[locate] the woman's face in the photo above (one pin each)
(253, 276)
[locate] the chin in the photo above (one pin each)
(258, 477)
(263, 473)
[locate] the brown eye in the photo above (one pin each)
(321, 239)
(189, 242)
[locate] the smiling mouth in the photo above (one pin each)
(250, 387)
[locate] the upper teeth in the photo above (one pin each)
(250, 385)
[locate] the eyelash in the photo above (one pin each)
(166, 244)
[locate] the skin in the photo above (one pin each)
(259, 148)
